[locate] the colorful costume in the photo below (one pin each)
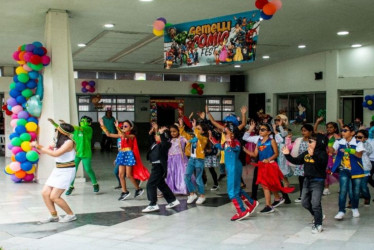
(177, 164)
(331, 178)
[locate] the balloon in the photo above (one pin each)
(277, 3)
(16, 109)
(158, 32)
(20, 129)
(21, 99)
(8, 170)
(371, 108)
(364, 104)
(25, 137)
(260, 4)
(21, 62)
(12, 85)
(31, 171)
(92, 89)
(10, 146)
(92, 83)
(46, 60)
(15, 179)
(84, 90)
(33, 74)
(35, 59)
(367, 98)
(26, 146)
(200, 92)
(20, 70)
(32, 156)
(28, 177)
(14, 93)
(269, 9)
(27, 93)
(34, 106)
(15, 150)
(84, 83)
(13, 123)
(21, 122)
(88, 87)
(20, 86)
(13, 158)
(15, 166)
(201, 85)
(23, 115)
(195, 85)
(30, 47)
(26, 166)
(162, 19)
(33, 136)
(14, 116)
(23, 77)
(38, 51)
(7, 112)
(370, 102)
(20, 55)
(33, 119)
(31, 126)
(12, 101)
(26, 67)
(265, 17)
(16, 141)
(35, 67)
(37, 44)
(31, 84)
(13, 135)
(27, 56)
(21, 157)
(193, 91)
(16, 55)
(158, 25)
(20, 174)
(40, 88)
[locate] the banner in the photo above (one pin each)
(230, 39)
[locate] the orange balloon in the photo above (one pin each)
(20, 174)
(269, 9)
(20, 55)
(13, 158)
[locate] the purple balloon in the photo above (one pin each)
(10, 146)
(30, 47)
(23, 115)
(84, 90)
(12, 101)
(15, 179)
(162, 19)
(92, 83)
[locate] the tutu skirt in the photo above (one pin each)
(270, 176)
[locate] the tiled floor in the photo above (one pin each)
(105, 223)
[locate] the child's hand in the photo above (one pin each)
(180, 120)
(193, 123)
(243, 109)
(285, 150)
(162, 129)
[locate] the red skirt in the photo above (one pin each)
(270, 176)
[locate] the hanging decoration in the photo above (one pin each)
(159, 26)
(268, 8)
(96, 101)
(88, 86)
(24, 106)
(197, 89)
(369, 102)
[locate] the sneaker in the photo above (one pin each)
(96, 188)
(326, 191)
(49, 219)
(191, 198)
(278, 203)
(355, 213)
(339, 216)
(69, 191)
(173, 204)
(323, 218)
(118, 187)
(240, 216)
(151, 209)
(138, 192)
(317, 229)
(124, 196)
(267, 210)
(253, 206)
(367, 202)
(214, 188)
(298, 200)
(68, 218)
(200, 200)
(221, 176)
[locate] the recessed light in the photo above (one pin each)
(81, 45)
(356, 45)
(265, 57)
(237, 66)
(343, 33)
(301, 46)
(145, 0)
(108, 25)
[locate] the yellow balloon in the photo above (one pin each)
(21, 62)
(370, 102)
(20, 70)
(31, 171)
(158, 32)
(8, 170)
(31, 126)
(26, 146)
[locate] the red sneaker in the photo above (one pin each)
(240, 216)
(253, 206)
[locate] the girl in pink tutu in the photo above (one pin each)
(177, 162)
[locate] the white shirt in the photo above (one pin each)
(255, 138)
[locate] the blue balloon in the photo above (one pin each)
(33, 74)
(40, 88)
(367, 98)
(26, 166)
(14, 93)
(38, 51)
(31, 84)
(20, 86)
(9, 107)
(21, 157)
(371, 107)
(34, 106)
(13, 135)
(37, 44)
(21, 99)
(265, 17)
(20, 129)
(15, 78)
(32, 119)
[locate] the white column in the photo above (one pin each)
(59, 88)
(332, 95)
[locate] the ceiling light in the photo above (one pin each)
(265, 57)
(356, 45)
(81, 45)
(108, 25)
(237, 66)
(343, 33)
(145, 0)
(301, 46)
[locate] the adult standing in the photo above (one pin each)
(109, 123)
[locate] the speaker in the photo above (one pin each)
(318, 75)
(237, 83)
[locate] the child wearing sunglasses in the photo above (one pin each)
(348, 162)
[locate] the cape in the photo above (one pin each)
(139, 172)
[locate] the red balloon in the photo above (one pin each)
(45, 50)
(88, 87)
(84, 83)
(260, 4)
(35, 59)
(200, 92)
(269, 9)
(4, 107)
(7, 112)
(195, 85)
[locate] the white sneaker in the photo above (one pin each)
(298, 200)
(355, 213)
(49, 219)
(339, 216)
(151, 209)
(317, 229)
(201, 200)
(326, 191)
(173, 204)
(68, 218)
(191, 198)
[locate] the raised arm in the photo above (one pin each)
(243, 111)
(107, 132)
(318, 121)
(211, 119)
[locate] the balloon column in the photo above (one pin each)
(88, 86)
(369, 102)
(158, 26)
(197, 88)
(24, 106)
(268, 7)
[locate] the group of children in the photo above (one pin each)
(180, 153)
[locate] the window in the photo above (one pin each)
(106, 75)
(140, 76)
(154, 77)
(219, 107)
(302, 107)
(125, 75)
(87, 74)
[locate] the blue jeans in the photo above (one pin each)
(364, 188)
(345, 179)
(311, 198)
(198, 165)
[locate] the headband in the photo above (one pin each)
(62, 131)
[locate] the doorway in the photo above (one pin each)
(351, 108)
(255, 103)
(165, 115)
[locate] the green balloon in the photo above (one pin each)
(194, 91)
(23, 77)
(372, 118)
(16, 141)
(25, 137)
(23, 47)
(27, 93)
(201, 86)
(35, 67)
(21, 122)
(168, 24)
(32, 155)
(12, 85)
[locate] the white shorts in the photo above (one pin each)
(61, 178)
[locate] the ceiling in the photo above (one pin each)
(310, 22)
